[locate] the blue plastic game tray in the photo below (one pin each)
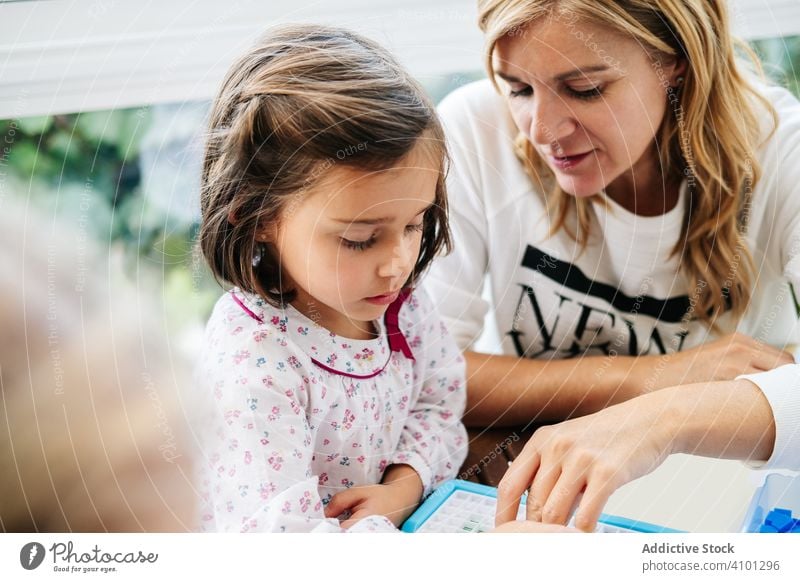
(462, 507)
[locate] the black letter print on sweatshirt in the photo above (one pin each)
(591, 321)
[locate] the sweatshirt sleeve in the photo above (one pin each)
(434, 440)
(781, 388)
(781, 175)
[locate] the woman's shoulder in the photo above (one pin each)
(477, 107)
(787, 108)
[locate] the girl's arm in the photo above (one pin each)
(434, 441)
(594, 455)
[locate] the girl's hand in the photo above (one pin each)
(583, 461)
(723, 359)
(396, 498)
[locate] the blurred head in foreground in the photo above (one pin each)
(90, 435)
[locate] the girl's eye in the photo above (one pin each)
(415, 227)
(586, 94)
(359, 245)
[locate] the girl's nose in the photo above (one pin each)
(399, 263)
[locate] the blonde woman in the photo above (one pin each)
(624, 186)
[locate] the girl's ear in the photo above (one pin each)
(267, 233)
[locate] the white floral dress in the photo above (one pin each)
(297, 413)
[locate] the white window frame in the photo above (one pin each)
(61, 56)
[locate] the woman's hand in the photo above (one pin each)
(583, 461)
(528, 526)
(723, 359)
(396, 498)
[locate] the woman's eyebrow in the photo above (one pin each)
(373, 221)
(579, 72)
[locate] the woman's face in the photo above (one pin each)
(589, 100)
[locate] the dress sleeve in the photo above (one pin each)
(456, 281)
(256, 473)
(434, 440)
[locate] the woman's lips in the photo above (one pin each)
(568, 162)
(384, 299)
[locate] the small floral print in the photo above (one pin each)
(266, 490)
(275, 461)
(347, 420)
(279, 322)
(366, 355)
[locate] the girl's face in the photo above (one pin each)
(590, 101)
(351, 242)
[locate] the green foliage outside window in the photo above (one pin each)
(138, 190)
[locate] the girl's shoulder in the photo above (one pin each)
(418, 315)
(243, 322)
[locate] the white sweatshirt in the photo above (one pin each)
(510, 287)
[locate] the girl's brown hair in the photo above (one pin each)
(711, 138)
(304, 99)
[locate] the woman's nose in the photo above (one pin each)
(551, 120)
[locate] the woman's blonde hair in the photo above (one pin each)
(710, 138)
(304, 99)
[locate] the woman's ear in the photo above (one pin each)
(678, 74)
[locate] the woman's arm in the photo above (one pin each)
(508, 391)
(583, 461)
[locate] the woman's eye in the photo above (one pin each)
(591, 93)
(520, 91)
(358, 245)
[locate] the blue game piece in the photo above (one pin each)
(779, 520)
(767, 529)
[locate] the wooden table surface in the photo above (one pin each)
(490, 452)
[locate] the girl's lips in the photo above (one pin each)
(385, 299)
(568, 162)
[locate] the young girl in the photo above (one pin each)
(337, 392)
